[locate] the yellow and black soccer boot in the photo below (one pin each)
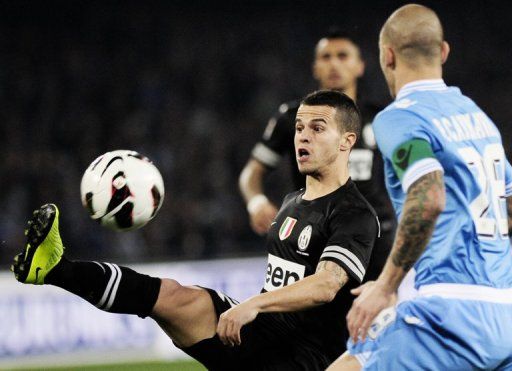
(43, 249)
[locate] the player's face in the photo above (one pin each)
(317, 139)
(337, 64)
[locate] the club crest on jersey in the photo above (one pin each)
(286, 228)
(304, 238)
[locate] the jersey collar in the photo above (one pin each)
(421, 85)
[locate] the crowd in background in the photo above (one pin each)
(191, 86)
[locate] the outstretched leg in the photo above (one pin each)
(186, 314)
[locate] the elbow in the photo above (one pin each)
(244, 178)
(434, 202)
(327, 291)
(437, 204)
(251, 176)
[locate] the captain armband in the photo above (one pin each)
(410, 153)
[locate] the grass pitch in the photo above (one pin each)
(143, 366)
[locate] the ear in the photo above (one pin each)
(348, 139)
(445, 51)
(389, 57)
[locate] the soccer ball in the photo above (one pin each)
(122, 190)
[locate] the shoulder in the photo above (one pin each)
(404, 108)
(283, 121)
(288, 109)
(351, 205)
(404, 118)
(281, 125)
(291, 197)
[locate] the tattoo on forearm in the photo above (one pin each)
(418, 221)
(339, 272)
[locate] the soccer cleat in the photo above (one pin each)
(43, 249)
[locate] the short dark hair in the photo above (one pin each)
(335, 32)
(348, 114)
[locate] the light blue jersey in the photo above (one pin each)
(459, 312)
(470, 244)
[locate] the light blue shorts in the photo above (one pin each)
(433, 333)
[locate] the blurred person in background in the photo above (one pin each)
(338, 65)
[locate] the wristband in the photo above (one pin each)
(256, 202)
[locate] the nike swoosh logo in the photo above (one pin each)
(273, 223)
(110, 163)
(37, 272)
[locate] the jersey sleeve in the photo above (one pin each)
(408, 143)
(508, 179)
(351, 242)
(277, 138)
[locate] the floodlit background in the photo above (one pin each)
(190, 84)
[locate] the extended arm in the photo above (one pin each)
(317, 289)
(314, 290)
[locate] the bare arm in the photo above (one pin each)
(314, 290)
(250, 181)
(261, 210)
(426, 199)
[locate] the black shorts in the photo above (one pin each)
(264, 346)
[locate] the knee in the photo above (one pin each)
(169, 298)
(169, 288)
(175, 300)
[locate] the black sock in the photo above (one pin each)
(107, 286)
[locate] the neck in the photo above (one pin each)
(406, 75)
(326, 182)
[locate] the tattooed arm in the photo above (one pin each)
(425, 200)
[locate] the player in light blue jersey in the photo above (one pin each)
(449, 181)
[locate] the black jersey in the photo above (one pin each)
(365, 164)
(340, 227)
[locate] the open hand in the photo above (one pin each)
(231, 322)
(372, 298)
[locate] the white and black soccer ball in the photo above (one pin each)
(122, 190)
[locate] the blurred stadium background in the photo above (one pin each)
(190, 84)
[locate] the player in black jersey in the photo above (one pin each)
(337, 66)
(319, 246)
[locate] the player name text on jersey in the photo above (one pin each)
(469, 126)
